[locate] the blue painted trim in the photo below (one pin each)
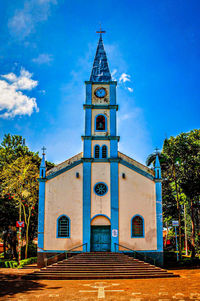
(100, 183)
(113, 128)
(86, 203)
(57, 226)
(87, 145)
(113, 148)
(100, 137)
(41, 213)
(88, 93)
(63, 251)
(114, 193)
(112, 94)
(143, 229)
(95, 123)
(100, 215)
(88, 122)
(140, 251)
(59, 172)
(159, 216)
(137, 169)
(102, 83)
(103, 106)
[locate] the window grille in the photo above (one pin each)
(104, 151)
(63, 226)
(137, 227)
(96, 151)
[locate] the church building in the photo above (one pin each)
(100, 200)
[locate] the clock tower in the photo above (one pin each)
(100, 142)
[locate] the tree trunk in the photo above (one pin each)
(179, 216)
(166, 238)
(4, 243)
(26, 248)
(179, 232)
(193, 230)
(27, 238)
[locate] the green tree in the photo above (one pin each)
(20, 180)
(12, 148)
(189, 165)
(180, 163)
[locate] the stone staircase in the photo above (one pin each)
(100, 265)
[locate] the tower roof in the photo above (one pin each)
(100, 70)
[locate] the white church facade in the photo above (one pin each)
(100, 200)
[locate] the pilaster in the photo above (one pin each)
(86, 203)
(114, 192)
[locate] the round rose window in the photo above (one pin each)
(100, 188)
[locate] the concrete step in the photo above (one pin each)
(100, 266)
(97, 276)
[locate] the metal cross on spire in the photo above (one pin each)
(101, 31)
(43, 150)
(157, 150)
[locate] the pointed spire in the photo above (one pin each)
(100, 71)
(43, 164)
(157, 162)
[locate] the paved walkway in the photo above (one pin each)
(187, 287)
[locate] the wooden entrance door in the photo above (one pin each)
(100, 239)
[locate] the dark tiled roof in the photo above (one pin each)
(100, 71)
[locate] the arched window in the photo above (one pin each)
(137, 226)
(63, 226)
(104, 151)
(96, 151)
(100, 123)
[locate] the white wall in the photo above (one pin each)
(63, 195)
(136, 196)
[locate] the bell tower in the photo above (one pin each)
(100, 139)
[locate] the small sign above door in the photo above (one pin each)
(114, 233)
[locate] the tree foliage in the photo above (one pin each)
(19, 170)
(180, 163)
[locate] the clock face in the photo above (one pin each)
(101, 92)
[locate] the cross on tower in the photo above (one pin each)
(43, 150)
(156, 149)
(101, 31)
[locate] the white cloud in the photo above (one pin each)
(130, 89)
(124, 78)
(24, 20)
(113, 74)
(22, 82)
(12, 101)
(43, 58)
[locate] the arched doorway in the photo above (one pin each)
(100, 234)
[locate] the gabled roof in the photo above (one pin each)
(64, 164)
(100, 71)
(123, 159)
(138, 167)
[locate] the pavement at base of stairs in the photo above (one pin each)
(12, 287)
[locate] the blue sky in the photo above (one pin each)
(47, 49)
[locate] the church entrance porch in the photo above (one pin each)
(100, 239)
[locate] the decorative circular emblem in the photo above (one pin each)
(100, 92)
(100, 189)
